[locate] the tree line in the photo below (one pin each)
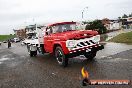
(126, 16)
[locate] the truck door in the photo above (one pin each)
(48, 40)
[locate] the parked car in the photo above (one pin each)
(0, 43)
(16, 40)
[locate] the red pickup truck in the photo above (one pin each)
(65, 41)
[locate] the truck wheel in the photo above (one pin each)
(90, 55)
(35, 53)
(31, 53)
(60, 57)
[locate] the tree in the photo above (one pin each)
(119, 18)
(124, 16)
(96, 25)
(130, 15)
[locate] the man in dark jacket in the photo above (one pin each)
(9, 44)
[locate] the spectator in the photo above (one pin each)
(9, 44)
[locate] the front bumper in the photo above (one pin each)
(81, 51)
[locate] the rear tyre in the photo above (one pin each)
(31, 53)
(90, 55)
(60, 57)
(35, 53)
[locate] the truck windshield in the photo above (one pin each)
(64, 28)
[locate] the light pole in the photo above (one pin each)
(83, 12)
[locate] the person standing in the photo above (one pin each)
(9, 44)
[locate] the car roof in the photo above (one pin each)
(61, 23)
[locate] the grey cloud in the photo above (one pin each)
(14, 13)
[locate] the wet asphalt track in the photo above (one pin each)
(18, 70)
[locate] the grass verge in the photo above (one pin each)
(6, 37)
(123, 38)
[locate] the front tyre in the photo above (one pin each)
(90, 55)
(33, 53)
(60, 57)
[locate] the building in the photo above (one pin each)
(115, 25)
(129, 22)
(111, 24)
(106, 23)
(126, 22)
(30, 29)
(21, 33)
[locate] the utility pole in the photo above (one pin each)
(83, 12)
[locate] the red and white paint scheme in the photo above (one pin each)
(64, 40)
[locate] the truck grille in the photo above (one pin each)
(85, 43)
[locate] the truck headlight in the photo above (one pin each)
(97, 38)
(70, 43)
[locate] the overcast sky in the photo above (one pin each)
(16, 14)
